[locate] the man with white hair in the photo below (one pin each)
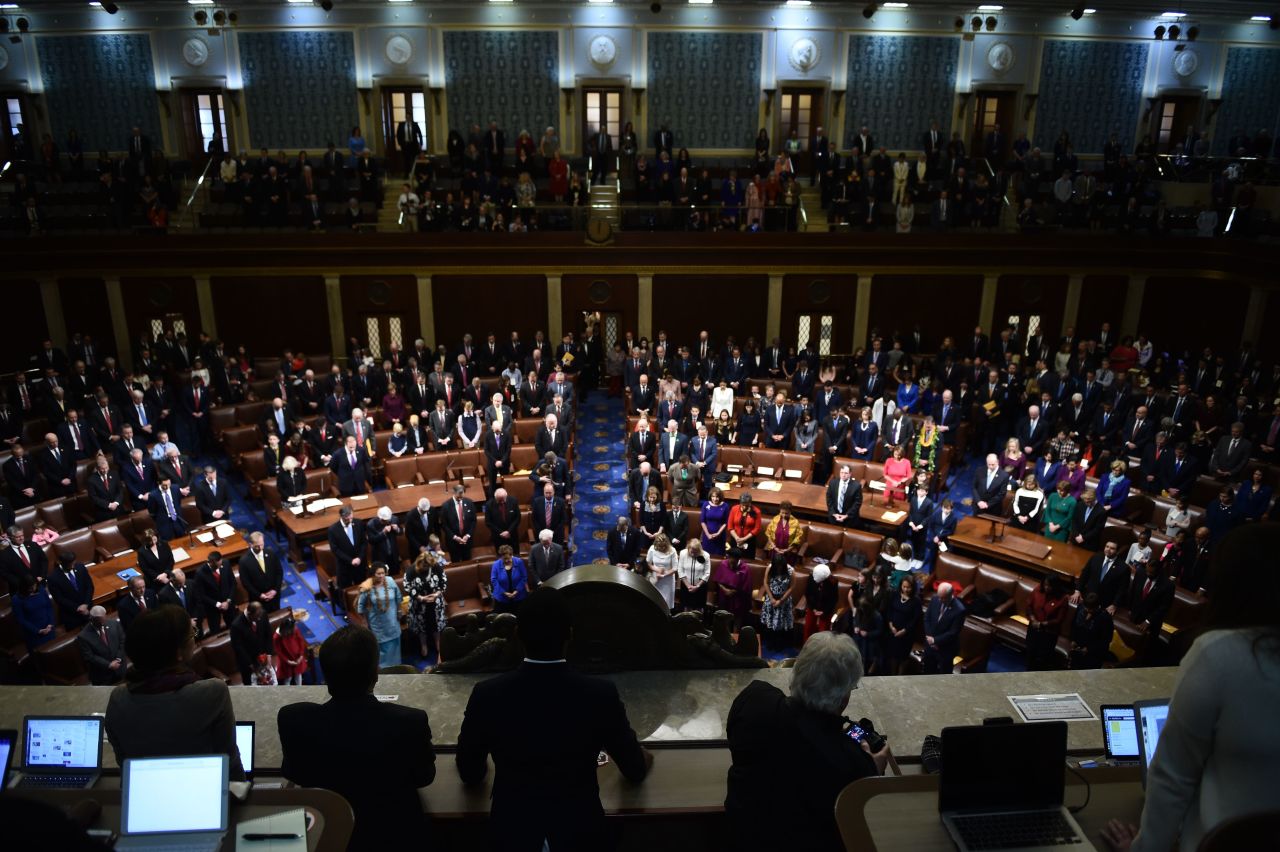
(101, 646)
(773, 736)
(359, 427)
(989, 486)
(502, 517)
(497, 415)
(417, 523)
(551, 438)
(670, 446)
(942, 623)
(547, 558)
(261, 573)
(820, 596)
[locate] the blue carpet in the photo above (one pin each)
(601, 491)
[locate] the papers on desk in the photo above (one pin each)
(387, 697)
(770, 486)
(733, 468)
(524, 472)
(321, 505)
(876, 485)
(724, 486)
(224, 531)
(763, 470)
(1021, 619)
(120, 553)
(405, 485)
(792, 473)
(291, 826)
(180, 555)
(355, 497)
(297, 510)
(204, 537)
(298, 498)
(893, 517)
(435, 482)
(1067, 707)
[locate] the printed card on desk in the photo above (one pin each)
(792, 473)
(764, 471)
(355, 497)
(180, 555)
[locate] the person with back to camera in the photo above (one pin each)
(545, 792)
(1217, 755)
(771, 736)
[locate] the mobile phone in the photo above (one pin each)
(602, 758)
(856, 733)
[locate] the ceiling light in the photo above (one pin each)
(399, 1)
(500, 1)
(990, 8)
(1091, 11)
(1262, 19)
(599, 1)
(798, 3)
(895, 5)
(298, 1)
(8, 5)
(199, 2)
(700, 2)
(1173, 14)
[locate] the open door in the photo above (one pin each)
(1177, 123)
(993, 110)
(801, 110)
(204, 118)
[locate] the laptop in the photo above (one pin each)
(1151, 718)
(149, 819)
(61, 752)
(8, 742)
(1014, 803)
(1120, 734)
(246, 733)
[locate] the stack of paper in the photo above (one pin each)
(180, 555)
(224, 531)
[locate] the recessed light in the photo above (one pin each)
(1173, 14)
(1262, 19)
(798, 3)
(895, 5)
(1091, 11)
(701, 2)
(990, 8)
(599, 1)
(200, 2)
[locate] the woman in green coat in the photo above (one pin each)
(1058, 510)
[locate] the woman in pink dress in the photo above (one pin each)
(755, 203)
(897, 473)
(733, 587)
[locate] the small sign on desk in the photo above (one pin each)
(1066, 707)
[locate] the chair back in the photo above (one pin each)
(59, 662)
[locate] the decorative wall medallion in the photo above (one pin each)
(399, 50)
(1000, 57)
(1185, 62)
(804, 55)
(602, 50)
(195, 52)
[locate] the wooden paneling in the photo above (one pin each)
(683, 305)
(483, 303)
(26, 328)
(384, 295)
(576, 296)
(1029, 295)
(1102, 300)
(1180, 313)
(269, 315)
(820, 294)
(85, 306)
(152, 298)
(941, 305)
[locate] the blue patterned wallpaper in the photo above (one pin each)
(101, 85)
(897, 85)
(1091, 89)
(1250, 96)
(299, 88)
(706, 86)
(509, 77)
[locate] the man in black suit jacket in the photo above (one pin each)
(502, 517)
(58, 466)
(379, 771)
(546, 558)
(640, 481)
(72, 590)
(989, 487)
(1178, 472)
(943, 621)
(641, 446)
(213, 498)
(178, 593)
(548, 512)
(178, 469)
(1032, 432)
(216, 588)
(261, 574)
(843, 509)
(1088, 522)
(623, 544)
(22, 477)
(348, 544)
(167, 514)
(75, 436)
(1106, 575)
(418, 527)
(497, 453)
(779, 420)
(946, 414)
(351, 466)
(458, 523)
(1149, 598)
(21, 559)
(551, 438)
(545, 788)
(101, 646)
(140, 599)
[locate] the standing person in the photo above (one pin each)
(1045, 612)
(290, 653)
(1217, 754)
(732, 580)
(714, 523)
(545, 792)
(777, 608)
(378, 769)
(744, 526)
(661, 559)
(1091, 634)
(784, 535)
(251, 639)
(901, 617)
(509, 580)
(379, 603)
(425, 584)
(820, 596)
(693, 569)
(942, 624)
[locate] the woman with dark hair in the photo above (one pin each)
(732, 581)
(777, 608)
(425, 583)
(164, 708)
(34, 610)
(900, 622)
(1219, 749)
(1045, 611)
(747, 433)
(290, 652)
(1253, 498)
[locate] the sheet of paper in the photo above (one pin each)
(204, 537)
(180, 555)
(792, 473)
(1065, 706)
(224, 531)
(124, 552)
(355, 497)
(764, 470)
(770, 486)
(405, 485)
(297, 510)
(893, 517)
(724, 486)
(875, 485)
(387, 697)
(733, 468)
(292, 822)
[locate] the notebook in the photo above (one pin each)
(246, 733)
(148, 816)
(1151, 716)
(1119, 733)
(1013, 804)
(61, 751)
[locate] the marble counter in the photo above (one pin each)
(680, 706)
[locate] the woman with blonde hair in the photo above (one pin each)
(425, 584)
(662, 568)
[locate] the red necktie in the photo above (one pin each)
(103, 632)
(548, 502)
(104, 481)
(142, 603)
(217, 575)
(458, 505)
(22, 551)
(196, 395)
(1146, 590)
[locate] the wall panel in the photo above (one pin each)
(706, 86)
(897, 85)
(942, 306)
(511, 77)
(1091, 89)
(722, 304)
(820, 294)
(1250, 97)
(85, 306)
(1190, 313)
(101, 86)
(152, 298)
(483, 303)
(300, 88)
(1102, 300)
(364, 296)
(23, 302)
(269, 315)
(579, 293)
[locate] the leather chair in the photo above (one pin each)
(857, 468)
(270, 495)
(976, 639)
(757, 571)
(463, 594)
(1121, 533)
(320, 363)
(84, 469)
(1205, 491)
(190, 513)
(802, 462)
(401, 471)
(767, 459)
(253, 465)
(26, 518)
(527, 429)
(220, 658)
(1187, 610)
(34, 430)
(731, 455)
(520, 488)
(957, 570)
(221, 418)
(1251, 831)
(868, 543)
(241, 439)
(471, 462)
(59, 662)
(1011, 628)
(482, 544)
(825, 541)
(432, 467)
(108, 540)
(252, 413)
(267, 366)
(350, 598)
(1137, 509)
(79, 542)
(990, 579)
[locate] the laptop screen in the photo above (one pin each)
(1151, 719)
(1120, 732)
(1003, 767)
(244, 742)
(149, 785)
(7, 739)
(69, 742)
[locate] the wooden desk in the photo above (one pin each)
(107, 586)
(1019, 549)
(902, 813)
(301, 528)
(330, 833)
(809, 502)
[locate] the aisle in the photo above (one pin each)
(601, 490)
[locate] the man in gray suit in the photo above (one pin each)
(361, 429)
(547, 558)
(1232, 454)
(101, 645)
(497, 410)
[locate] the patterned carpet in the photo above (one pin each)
(601, 491)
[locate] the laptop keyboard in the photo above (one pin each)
(1011, 831)
(185, 846)
(71, 781)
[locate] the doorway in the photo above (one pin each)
(10, 120)
(1177, 123)
(992, 110)
(402, 103)
(801, 109)
(382, 330)
(204, 118)
(602, 108)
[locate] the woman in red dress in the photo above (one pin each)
(291, 653)
(558, 171)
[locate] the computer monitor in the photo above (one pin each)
(150, 784)
(1119, 732)
(246, 735)
(1029, 774)
(8, 739)
(1151, 717)
(61, 742)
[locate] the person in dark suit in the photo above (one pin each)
(178, 469)
(72, 590)
(213, 498)
(164, 504)
(291, 480)
(383, 534)
(261, 574)
(1091, 633)
(58, 466)
(779, 420)
(705, 454)
(551, 438)
(137, 476)
(1088, 522)
(21, 560)
(1178, 472)
(548, 512)
(409, 141)
(348, 543)
(105, 493)
(643, 397)
(545, 789)
(943, 621)
(497, 453)
(623, 544)
(216, 589)
(418, 526)
(640, 481)
(22, 477)
(377, 771)
(458, 523)
(671, 446)
(1105, 575)
(155, 559)
(547, 558)
(941, 526)
(351, 467)
(844, 499)
(502, 517)
(140, 599)
(989, 487)
(101, 646)
(1032, 432)
(641, 446)
(1149, 597)
(250, 639)
(177, 593)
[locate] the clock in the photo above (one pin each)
(599, 231)
(195, 52)
(398, 50)
(1000, 57)
(804, 54)
(602, 50)
(1185, 62)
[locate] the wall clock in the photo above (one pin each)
(602, 50)
(195, 52)
(399, 50)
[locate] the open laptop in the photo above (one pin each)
(246, 734)
(1120, 734)
(1151, 718)
(149, 819)
(61, 751)
(1002, 788)
(8, 744)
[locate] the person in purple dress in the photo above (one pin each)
(1073, 474)
(733, 587)
(714, 518)
(393, 410)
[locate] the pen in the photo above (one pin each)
(258, 836)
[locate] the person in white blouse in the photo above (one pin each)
(662, 568)
(1140, 551)
(1179, 518)
(1028, 501)
(692, 569)
(722, 399)
(1218, 751)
